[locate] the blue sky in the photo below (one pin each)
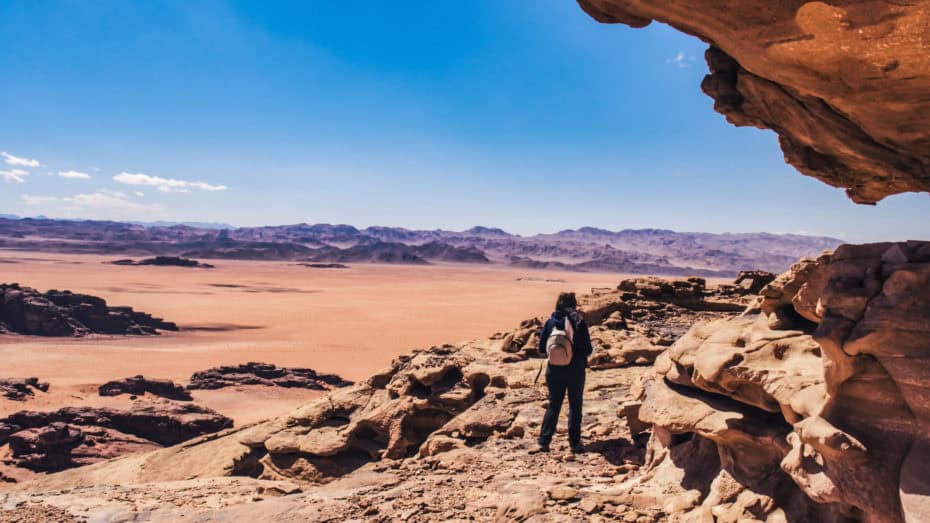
(526, 115)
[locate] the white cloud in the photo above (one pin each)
(14, 175)
(9, 159)
(165, 184)
(140, 194)
(103, 204)
(681, 60)
(74, 175)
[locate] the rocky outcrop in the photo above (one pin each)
(657, 309)
(77, 436)
(24, 310)
(165, 261)
(753, 281)
(820, 390)
(21, 388)
(324, 265)
(140, 385)
(842, 83)
(265, 374)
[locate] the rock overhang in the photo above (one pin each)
(843, 83)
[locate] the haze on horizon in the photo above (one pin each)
(528, 116)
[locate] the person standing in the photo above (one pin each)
(566, 343)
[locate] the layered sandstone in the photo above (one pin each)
(843, 83)
(819, 393)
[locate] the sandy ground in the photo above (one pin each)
(348, 321)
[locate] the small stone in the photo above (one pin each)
(590, 504)
(563, 493)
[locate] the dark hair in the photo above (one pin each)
(566, 301)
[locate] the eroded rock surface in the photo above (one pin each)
(815, 400)
(266, 374)
(24, 310)
(843, 83)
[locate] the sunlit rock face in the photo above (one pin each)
(824, 382)
(844, 83)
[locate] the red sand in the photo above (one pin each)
(348, 321)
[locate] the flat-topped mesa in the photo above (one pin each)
(140, 385)
(165, 261)
(24, 310)
(843, 83)
(264, 374)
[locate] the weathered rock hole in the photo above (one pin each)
(335, 421)
(419, 425)
(365, 431)
(250, 464)
(450, 379)
(735, 360)
(419, 390)
(796, 321)
(779, 351)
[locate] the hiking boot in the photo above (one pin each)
(578, 449)
(540, 448)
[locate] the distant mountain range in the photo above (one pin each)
(647, 251)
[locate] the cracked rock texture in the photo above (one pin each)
(843, 83)
(819, 392)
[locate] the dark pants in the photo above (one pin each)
(558, 385)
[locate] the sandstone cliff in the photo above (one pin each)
(843, 83)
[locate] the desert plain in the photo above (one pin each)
(351, 322)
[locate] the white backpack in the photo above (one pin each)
(559, 345)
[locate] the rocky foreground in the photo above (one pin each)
(808, 405)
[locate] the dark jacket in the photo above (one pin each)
(581, 346)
